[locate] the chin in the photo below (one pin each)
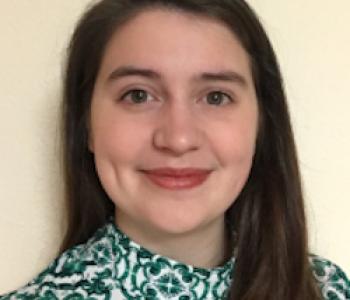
(177, 226)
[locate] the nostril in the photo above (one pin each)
(176, 131)
(176, 140)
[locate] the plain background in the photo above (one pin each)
(312, 41)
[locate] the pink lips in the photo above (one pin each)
(175, 179)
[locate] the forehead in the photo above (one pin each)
(174, 40)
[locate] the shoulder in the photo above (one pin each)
(332, 280)
(68, 274)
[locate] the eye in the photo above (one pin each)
(218, 98)
(136, 96)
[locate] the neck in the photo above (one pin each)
(206, 247)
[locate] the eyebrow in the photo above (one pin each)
(228, 76)
(126, 71)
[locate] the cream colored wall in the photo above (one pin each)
(312, 39)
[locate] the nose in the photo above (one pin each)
(177, 131)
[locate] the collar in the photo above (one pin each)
(142, 272)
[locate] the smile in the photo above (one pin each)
(177, 179)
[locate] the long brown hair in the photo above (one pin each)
(268, 216)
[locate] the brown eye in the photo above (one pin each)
(217, 98)
(136, 96)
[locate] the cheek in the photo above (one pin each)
(118, 149)
(235, 151)
(115, 134)
(118, 145)
(234, 141)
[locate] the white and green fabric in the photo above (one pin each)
(111, 266)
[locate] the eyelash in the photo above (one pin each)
(215, 92)
(130, 93)
(222, 94)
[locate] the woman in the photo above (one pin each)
(181, 170)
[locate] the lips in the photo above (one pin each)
(175, 179)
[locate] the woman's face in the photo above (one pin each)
(173, 121)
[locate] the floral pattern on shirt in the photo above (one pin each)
(112, 266)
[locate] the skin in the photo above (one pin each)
(176, 125)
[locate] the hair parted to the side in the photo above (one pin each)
(268, 216)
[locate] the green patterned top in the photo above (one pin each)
(111, 266)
